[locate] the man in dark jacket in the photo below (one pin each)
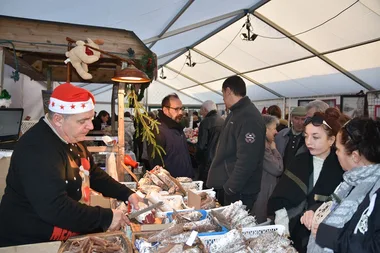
(208, 136)
(49, 174)
(237, 165)
(291, 141)
(172, 139)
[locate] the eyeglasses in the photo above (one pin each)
(350, 131)
(177, 109)
(316, 121)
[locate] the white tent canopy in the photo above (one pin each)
(303, 47)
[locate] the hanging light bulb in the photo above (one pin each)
(162, 76)
(190, 63)
(249, 36)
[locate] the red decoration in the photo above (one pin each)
(89, 51)
(130, 162)
(86, 194)
(85, 163)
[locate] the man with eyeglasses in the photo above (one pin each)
(291, 141)
(238, 163)
(172, 139)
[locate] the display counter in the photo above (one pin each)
(47, 247)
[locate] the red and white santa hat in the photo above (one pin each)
(69, 99)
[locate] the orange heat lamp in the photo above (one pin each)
(130, 162)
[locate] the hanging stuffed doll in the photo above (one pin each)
(81, 55)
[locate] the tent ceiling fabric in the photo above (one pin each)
(338, 57)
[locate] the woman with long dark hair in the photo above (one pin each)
(100, 120)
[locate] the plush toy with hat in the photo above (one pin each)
(70, 99)
(81, 55)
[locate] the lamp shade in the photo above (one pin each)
(131, 74)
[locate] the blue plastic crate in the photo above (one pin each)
(204, 216)
(224, 230)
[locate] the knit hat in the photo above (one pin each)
(299, 111)
(69, 99)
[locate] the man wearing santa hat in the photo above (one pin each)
(44, 191)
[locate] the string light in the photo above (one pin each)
(250, 35)
(162, 76)
(190, 63)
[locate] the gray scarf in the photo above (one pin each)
(361, 181)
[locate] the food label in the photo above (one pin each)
(191, 239)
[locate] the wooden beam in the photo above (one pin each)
(98, 76)
(24, 67)
(45, 36)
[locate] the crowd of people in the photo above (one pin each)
(322, 169)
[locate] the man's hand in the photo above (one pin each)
(314, 229)
(134, 200)
(307, 219)
(119, 220)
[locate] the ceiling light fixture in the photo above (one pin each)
(130, 74)
(190, 63)
(249, 36)
(162, 76)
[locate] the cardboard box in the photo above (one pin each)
(99, 200)
(4, 167)
(46, 247)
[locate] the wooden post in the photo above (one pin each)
(49, 78)
(2, 60)
(120, 131)
(68, 77)
(115, 87)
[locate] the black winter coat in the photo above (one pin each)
(238, 162)
(299, 197)
(43, 189)
(344, 240)
(173, 140)
(208, 136)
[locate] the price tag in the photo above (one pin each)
(192, 238)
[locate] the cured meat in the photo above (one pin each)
(249, 221)
(170, 231)
(184, 179)
(158, 181)
(95, 244)
(149, 188)
(271, 242)
(180, 238)
(178, 248)
(184, 217)
(166, 179)
(201, 226)
(231, 242)
(145, 181)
